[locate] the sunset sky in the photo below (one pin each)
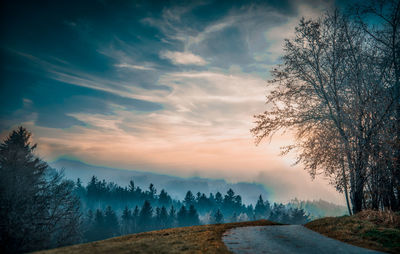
(167, 86)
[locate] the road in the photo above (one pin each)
(285, 239)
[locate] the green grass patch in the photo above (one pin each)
(389, 238)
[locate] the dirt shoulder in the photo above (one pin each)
(196, 239)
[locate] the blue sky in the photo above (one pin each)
(162, 86)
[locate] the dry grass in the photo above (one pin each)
(368, 229)
(196, 239)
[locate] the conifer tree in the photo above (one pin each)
(218, 199)
(146, 217)
(135, 219)
(163, 217)
(218, 217)
(157, 219)
(189, 199)
(172, 217)
(193, 216)
(38, 208)
(126, 222)
(182, 216)
(98, 231)
(260, 209)
(164, 199)
(111, 222)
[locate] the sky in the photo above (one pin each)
(160, 86)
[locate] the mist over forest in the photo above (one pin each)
(297, 99)
(56, 211)
(176, 186)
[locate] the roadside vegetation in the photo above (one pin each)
(195, 239)
(368, 229)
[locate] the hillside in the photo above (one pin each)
(368, 229)
(196, 239)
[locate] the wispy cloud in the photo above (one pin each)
(135, 67)
(183, 58)
(177, 95)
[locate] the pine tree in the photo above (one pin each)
(218, 217)
(146, 217)
(172, 217)
(164, 199)
(234, 217)
(92, 189)
(35, 200)
(229, 197)
(111, 222)
(267, 208)
(218, 199)
(189, 199)
(298, 216)
(163, 217)
(182, 216)
(193, 216)
(152, 193)
(88, 223)
(157, 219)
(135, 219)
(250, 212)
(79, 189)
(260, 209)
(131, 186)
(126, 221)
(98, 230)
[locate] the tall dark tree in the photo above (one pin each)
(157, 218)
(38, 208)
(163, 220)
(135, 219)
(87, 225)
(127, 221)
(131, 186)
(98, 231)
(182, 217)
(189, 199)
(193, 216)
(298, 216)
(151, 193)
(146, 217)
(172, 219)
(218, 217)
(260, 211)
(218, 199)
(164, 199)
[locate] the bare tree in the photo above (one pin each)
(384, 32)
(331, 93)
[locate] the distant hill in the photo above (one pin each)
(175, 186)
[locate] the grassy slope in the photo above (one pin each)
(368, 229)
(196, 239)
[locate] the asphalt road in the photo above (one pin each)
(285, 239)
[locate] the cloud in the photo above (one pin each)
(136, 67)
(171, 89)
(276, 34)
(183, 58)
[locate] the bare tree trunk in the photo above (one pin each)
(346, 194)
